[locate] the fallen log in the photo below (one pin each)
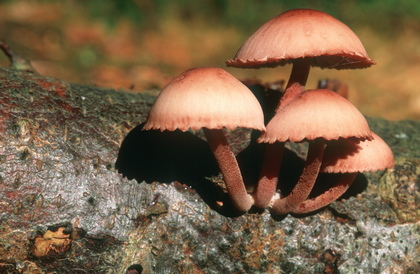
(83, 189)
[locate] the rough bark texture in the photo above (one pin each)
(64, 207)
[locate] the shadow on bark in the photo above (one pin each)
(155, 156)
(250, 161)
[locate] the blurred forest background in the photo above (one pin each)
(138, 45)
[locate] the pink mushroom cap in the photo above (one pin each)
(303, 33)
(352, 155)
(205, 97)
(317, 113)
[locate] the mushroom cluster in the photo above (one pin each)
(339, 137)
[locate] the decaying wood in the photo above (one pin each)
(65, 207)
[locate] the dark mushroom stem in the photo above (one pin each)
(306, 180)
(273, 153)
(297, 80)
(267, 183)
(328, 196)
(229, 168)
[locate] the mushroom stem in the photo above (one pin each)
(297, 80)
(328, 196)
(229, 168)
(267, 183)
(306, 180)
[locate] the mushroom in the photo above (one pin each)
(348, 156)
(211, 99)
(305, 38)
(314, 115)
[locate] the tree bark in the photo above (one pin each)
(83, 188)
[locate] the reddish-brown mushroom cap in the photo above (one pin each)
(352, 155)
(303, 33)
(205, 97)
(317, 113)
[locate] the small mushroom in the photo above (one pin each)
(211, 99)
(315, 116)
(349, 156)
(305, 38)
